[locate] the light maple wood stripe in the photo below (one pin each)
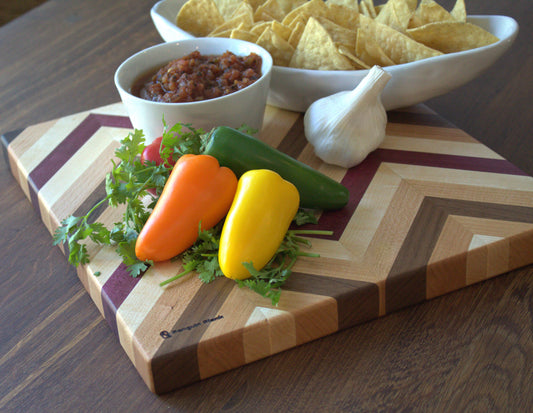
(29, 137)
(478, 192)
(366, 219)
(19, 172)
(140, 302)
(21, 144)
(521, 253)
(446, 176)
(50, 139)
(169, 308)
(268, 331)
(326, 248)
(78, 178)
(104, 260)
(473, 149)
(332, 267)
(86, 175)
(319, 318)
(221, 346)
(436, 133)
(453, 240)
(497, 258)
(493, 227)
(487, 260)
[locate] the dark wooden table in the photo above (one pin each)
(471, 350)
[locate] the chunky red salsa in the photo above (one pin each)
(197, 77)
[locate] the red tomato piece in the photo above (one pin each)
(151, 153)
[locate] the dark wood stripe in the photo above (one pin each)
(406, 282)
(294, 142)
(176, 361)
(419, 119)
(465, 163)
(94, 197)
(357, 301)
(9, 137)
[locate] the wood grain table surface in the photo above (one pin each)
(471, 350)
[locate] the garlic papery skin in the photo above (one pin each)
(346, 126)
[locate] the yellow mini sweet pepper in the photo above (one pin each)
(260, 215)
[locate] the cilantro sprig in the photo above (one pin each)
(128, 184)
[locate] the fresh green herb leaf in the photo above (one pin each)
(305, 216)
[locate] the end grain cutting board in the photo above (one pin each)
(431, 211)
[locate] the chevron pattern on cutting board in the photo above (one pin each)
(431, 211)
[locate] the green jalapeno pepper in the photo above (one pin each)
(241, 152)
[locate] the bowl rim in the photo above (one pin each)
(266, 57)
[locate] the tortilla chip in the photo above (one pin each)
(227, 7)
(311, 8)
(344, 16)
(459, 11)
(199, 17)
(396, 14)
(353, 4)
(288, 5)
(269, 8)
(399, 47)
(370, 52)
(296, 34)
(244, 8)
(338, 33)
(281, 30)
(279, 48)
(357, 63)
(242, 21)
(317, 51)
(243, 35)
(259, 27)
(449, 37)
(429, 11)
(370, 8)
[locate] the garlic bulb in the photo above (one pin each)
(346, 126)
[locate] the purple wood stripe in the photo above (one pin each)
(358, 178)
(114, 292)
(67, 148)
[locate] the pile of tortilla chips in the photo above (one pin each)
(337, 34)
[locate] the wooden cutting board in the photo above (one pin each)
(431, 211)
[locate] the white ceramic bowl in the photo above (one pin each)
(246, 106)
(411, 83)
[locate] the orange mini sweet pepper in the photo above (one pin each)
(198, 192)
